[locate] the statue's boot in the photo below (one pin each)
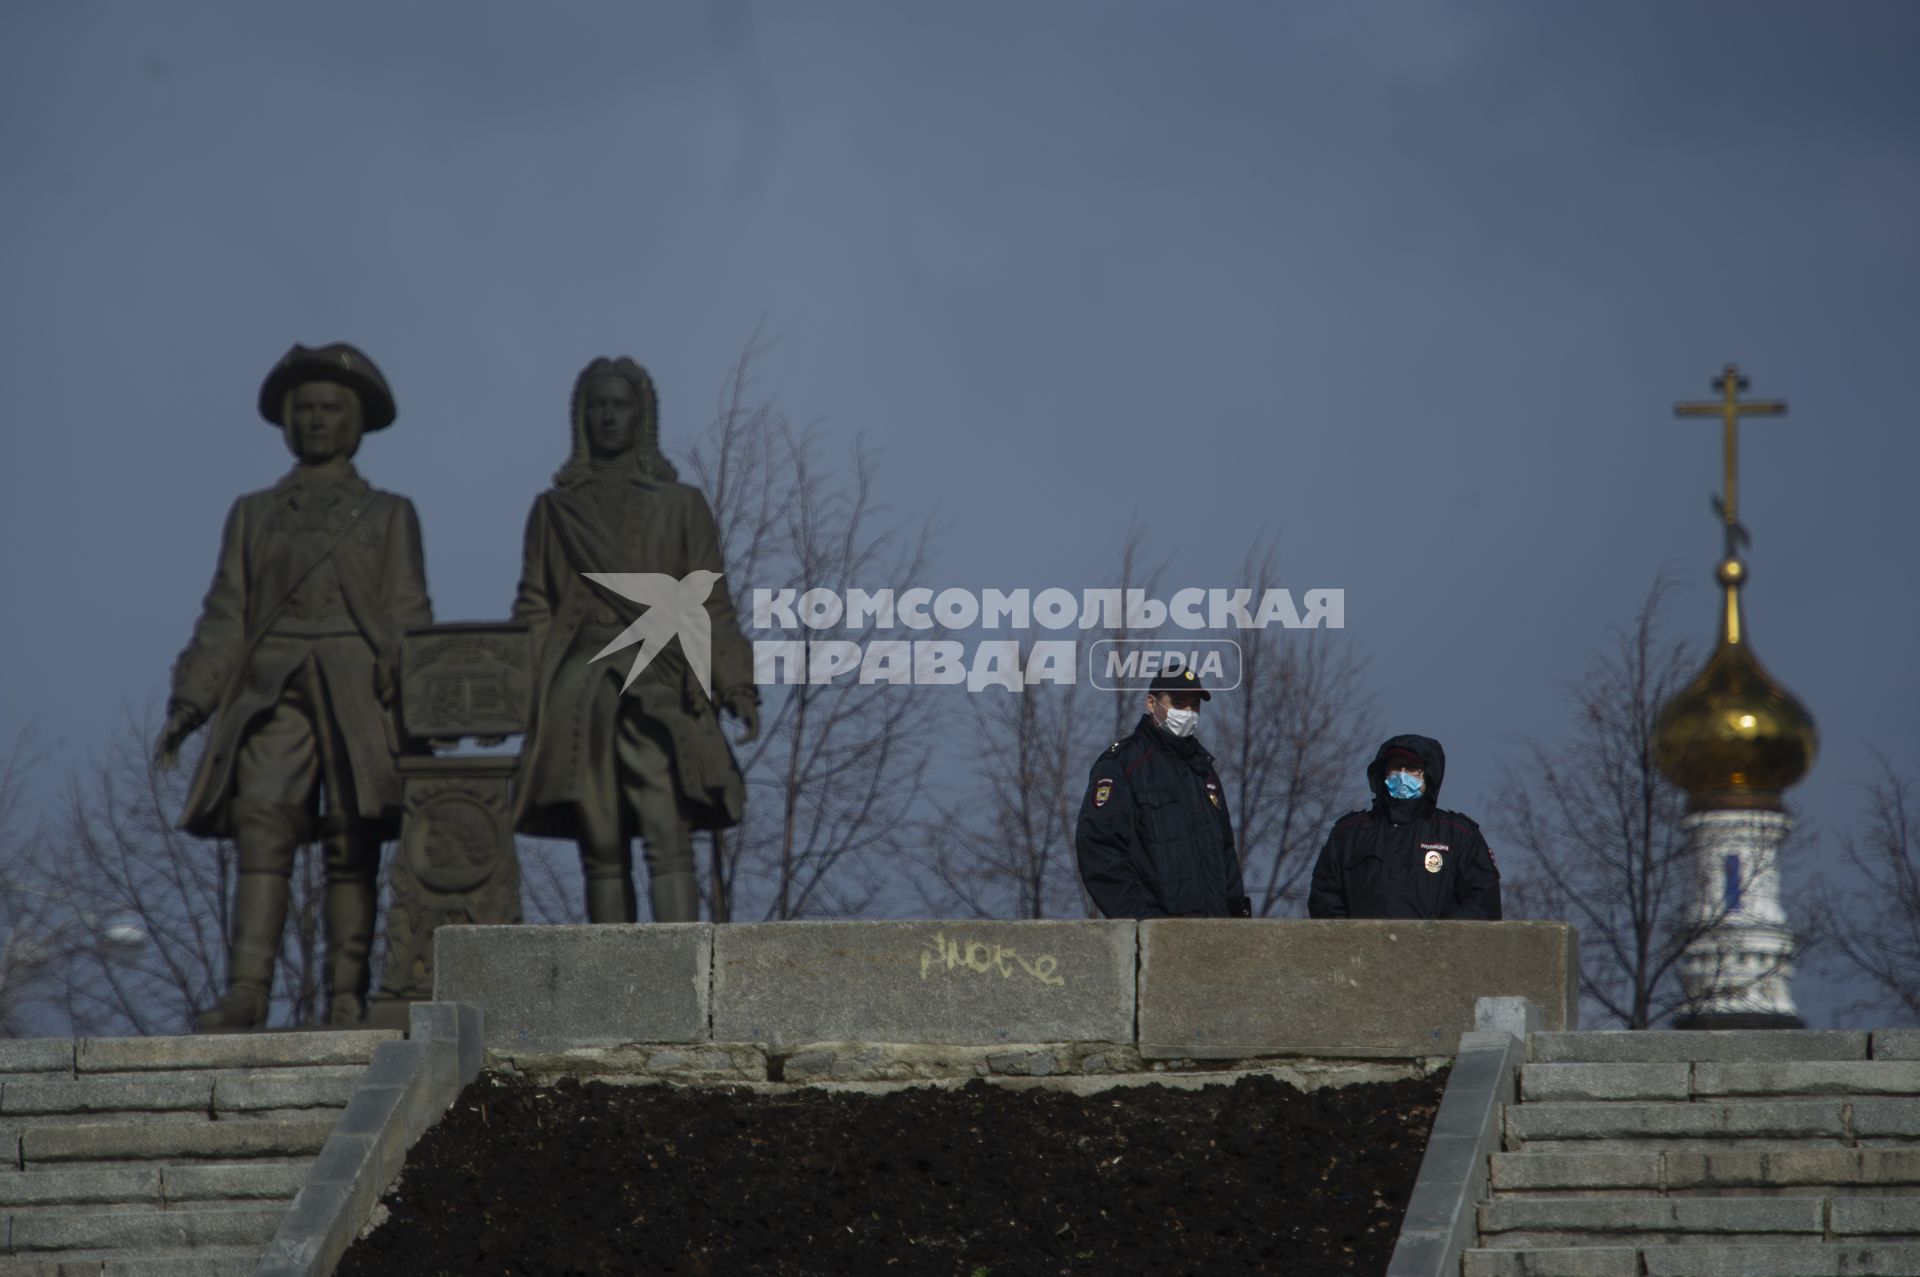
(266, 836)
(676, 896)
(670, 877)
(259, 913)
(352, 862)
(608, 868)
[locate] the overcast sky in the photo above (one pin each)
(1414, 285)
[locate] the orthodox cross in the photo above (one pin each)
(1730, 408)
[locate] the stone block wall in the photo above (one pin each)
(865, 1001)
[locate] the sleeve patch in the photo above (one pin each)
(1102, 792)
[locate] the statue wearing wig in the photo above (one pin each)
(609, 754)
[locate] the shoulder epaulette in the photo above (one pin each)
(1364, 811)
(1456, 818)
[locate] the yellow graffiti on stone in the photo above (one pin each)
(983, 957)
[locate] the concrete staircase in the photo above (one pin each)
(162, 1157)
(1706, 1154)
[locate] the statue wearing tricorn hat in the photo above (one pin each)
(293, 658)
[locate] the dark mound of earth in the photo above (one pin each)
(980, 1181)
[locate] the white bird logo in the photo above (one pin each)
(674, 606)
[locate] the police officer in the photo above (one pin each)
(1404, 857)
(1154, 839)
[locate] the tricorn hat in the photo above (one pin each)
(337, 362)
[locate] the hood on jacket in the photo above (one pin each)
(1430, 758)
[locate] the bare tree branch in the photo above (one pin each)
(1597, 831)
(1873, 930)
(834, 779)
(120, 868)
(1289, 744)
(1005, 847)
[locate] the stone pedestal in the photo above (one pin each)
(455, 862)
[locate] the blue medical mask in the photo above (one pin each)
(1405, 785)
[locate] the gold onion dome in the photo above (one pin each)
(1734, 737)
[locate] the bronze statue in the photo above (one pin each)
(604, 761)
(294, 656)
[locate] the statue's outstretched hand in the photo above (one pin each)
(182, 722)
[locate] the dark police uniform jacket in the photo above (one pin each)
(1405, 858)
(1154, 839)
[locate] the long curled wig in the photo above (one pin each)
(646, 455)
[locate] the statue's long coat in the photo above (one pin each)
(268, 544)
(568, 759)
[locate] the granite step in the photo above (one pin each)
(1538, 1222)
(1737, 1046)
(1709, 1080)
(1788, 1120)
(107, 1142)
(1800, 1259)
(217, 1261)
(163, 1157)
(206, 1094)
(52, 1234)
(153, 1185)
(1543, 1222)
(230, 1051)
(1716, 1170)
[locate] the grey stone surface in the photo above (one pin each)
(1654, 1046)
(202, 1263)
(1624, 1216)
(229, 1051)
(277, 1181)
(287, 1089)
(1866, 1216)
(79, 1187)
(1517, 1016)
(1849, 1077)
(310, 1238)
(1670, 1144)
(395, 1064)
(404, 1090)
(1579, 1261)
(458, 1022)
(218, 1261)
(36, 1055)
(785, 985)
(718, 1062)
(1605, 1082)
(1534, 1172)
(550, 988)
(1885, 1118)
(1439, 1221)
(1896, 1044)
(145, 1229)
(371, 1108)
(1791, 1167)
(106, 1095)
(1221, 989)
(103, 1142)
(1747, 1119)
(1802, 1260)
